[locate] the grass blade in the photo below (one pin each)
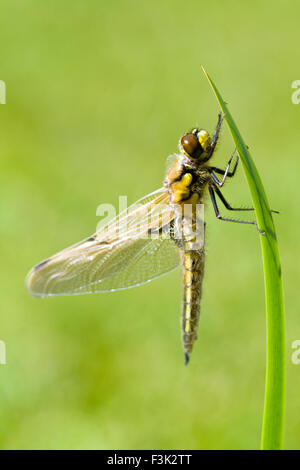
(274, 409)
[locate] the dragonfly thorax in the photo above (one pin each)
(187, 179)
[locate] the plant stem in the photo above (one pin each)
(274, 409)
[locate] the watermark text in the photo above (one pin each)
(296, 94)
(2, 92)
(2, 353)
(296, 353)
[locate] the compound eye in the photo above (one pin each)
(191, 145)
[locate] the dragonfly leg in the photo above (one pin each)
(215, 137)
(226, 172)
(228, 206)
(218, 215)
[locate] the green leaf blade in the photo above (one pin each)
(274, 409)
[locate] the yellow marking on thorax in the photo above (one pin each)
(181, 188)
(192, 200)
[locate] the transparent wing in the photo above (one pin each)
(132, 249)
(171, 160)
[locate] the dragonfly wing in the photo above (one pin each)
(121, 255)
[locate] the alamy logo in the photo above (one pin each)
(2, 353)
(150, 220)
(296, 353)
(2, 92)
(296, 95)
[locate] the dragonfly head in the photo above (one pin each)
(195, 144)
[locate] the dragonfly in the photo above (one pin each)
(154, 236)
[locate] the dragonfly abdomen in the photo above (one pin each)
(193, 269)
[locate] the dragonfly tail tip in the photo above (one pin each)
(186, 358)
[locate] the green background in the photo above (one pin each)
(98, 94)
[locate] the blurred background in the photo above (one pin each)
(98, 94)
